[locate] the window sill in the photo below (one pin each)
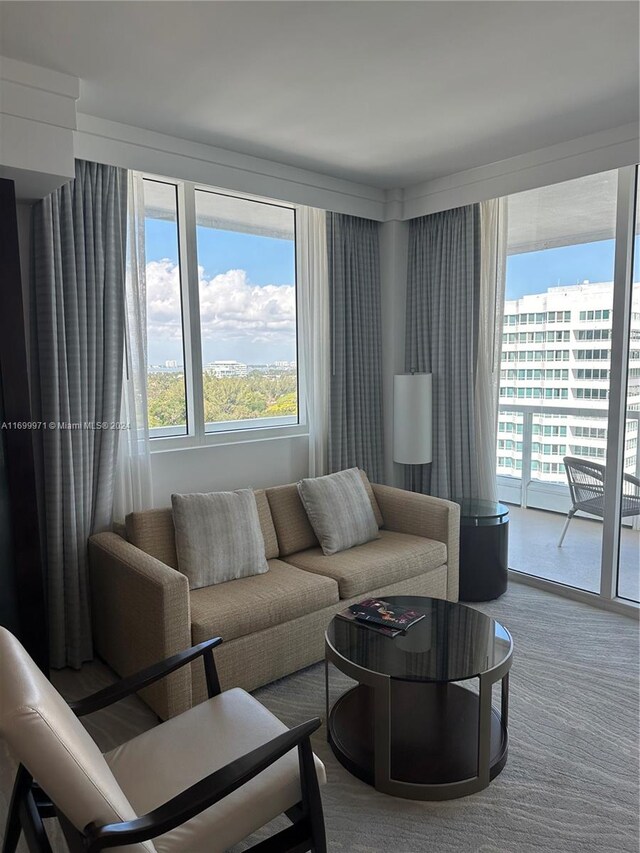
(225, 437)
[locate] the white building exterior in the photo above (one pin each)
(556, 350)
(222, 369)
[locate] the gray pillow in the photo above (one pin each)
(339, 510)
(218, 537)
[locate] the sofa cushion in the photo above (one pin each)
(153, 532)
(374, 503)
(291, 522)
(392, 558)
(247, 605)
(293, 529)
(339, 510)
(218, 537)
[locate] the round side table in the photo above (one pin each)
(411, 728)
(484, 549)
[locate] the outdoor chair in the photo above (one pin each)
(586, 487)
(197, 783)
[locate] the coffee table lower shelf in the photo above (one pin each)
(434, 736)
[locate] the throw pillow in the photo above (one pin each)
(218, 537)
(339, 510)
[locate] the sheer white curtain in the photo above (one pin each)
(133, 489)
(493, 228)
(314, 332)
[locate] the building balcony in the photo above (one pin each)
(536, 490)
(533, 549)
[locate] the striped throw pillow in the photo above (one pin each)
(218, 537)
(339, 510)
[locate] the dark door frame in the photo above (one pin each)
(18, 442)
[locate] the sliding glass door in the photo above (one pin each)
(554, 421)
(628, 584)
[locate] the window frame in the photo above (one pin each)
(226, 432)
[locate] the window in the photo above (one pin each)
(592, 452)
(588, 316)
(590, 432)
(221, 312)
(548, 429)
(592, 373)
(592, 355)
(166, 395)
(593, 334)
(591, 393)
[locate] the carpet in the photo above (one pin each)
(571, 781)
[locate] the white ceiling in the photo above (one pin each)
(385, 93)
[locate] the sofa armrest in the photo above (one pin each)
(423, 515)
(141, 615)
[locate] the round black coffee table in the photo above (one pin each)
(407, 728)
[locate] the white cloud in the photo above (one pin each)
(230, 306)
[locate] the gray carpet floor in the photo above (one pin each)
(571, 783)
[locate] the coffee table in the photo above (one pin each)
(409, 727)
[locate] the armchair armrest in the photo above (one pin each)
(141, 615)
(423, 515)
(127, 686)
(202, 794)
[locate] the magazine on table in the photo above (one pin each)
(373, 626)
(379, 612)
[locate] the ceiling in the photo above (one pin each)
(388, 94)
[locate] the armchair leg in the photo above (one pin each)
(24, 816)
(311, 797)
(21, 788)
(570, 515)
(34, 831)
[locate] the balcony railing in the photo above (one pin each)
(534, 533)
(527, 490)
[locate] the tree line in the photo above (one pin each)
(231, 398)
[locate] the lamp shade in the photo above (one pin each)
(412, 418)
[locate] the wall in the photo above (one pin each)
(245, 464)
(157, 153)
(282, 460)
(37, 122)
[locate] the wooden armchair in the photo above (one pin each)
(199, 782)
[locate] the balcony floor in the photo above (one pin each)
(533, 548)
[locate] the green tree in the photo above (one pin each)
(228, 398)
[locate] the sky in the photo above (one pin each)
(247, 296)
(534, 272)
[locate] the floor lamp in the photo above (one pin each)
(412, 427)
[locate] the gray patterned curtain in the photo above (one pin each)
(355, 425)
(77, 311)
(443, 290)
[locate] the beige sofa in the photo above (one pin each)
(272, 624)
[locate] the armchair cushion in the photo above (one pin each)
(392, 558)
(252, 604)
(166, 760)
(49, 740)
